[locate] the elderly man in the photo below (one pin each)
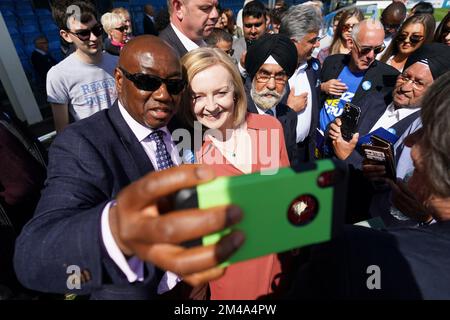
(190, 22)
(302, 25)
(270, 62)
(350, 78)
(93, 226)
(421, 69)
(397, 263)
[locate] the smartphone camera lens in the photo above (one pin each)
(303, 210)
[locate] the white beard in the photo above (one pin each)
(263, 102)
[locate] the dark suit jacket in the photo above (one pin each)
(413, 264)
(169, 36)
(89, 163)
(288, 119)
(381, 76)
(41, 64)
(149, 26)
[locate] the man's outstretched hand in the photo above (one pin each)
(141, 226)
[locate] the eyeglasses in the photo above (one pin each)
(148, 82)
(347, 27)
(414, 38)
(85, 34)
(418, 85)
(251, 25)
(364, 50)
(121, 29)
(264, 77)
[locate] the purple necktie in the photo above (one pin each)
(163, 159)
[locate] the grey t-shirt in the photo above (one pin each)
(85, 88)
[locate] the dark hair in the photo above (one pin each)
(436, 136)
(254, 9)
(217, 35)
(40, 37)
(162, 19)
(61, 13)
(337, 37)
(277, 14)
(422, 8)
(439, 35)
(429, 24)
(231, 22)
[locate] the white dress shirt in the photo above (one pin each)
(391, 116)
(261, 111)
(133, 268)
(300, 83)
(187, 43)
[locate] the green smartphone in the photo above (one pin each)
(293, 208)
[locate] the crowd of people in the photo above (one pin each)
(141, 117)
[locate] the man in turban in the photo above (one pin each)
(270, 62)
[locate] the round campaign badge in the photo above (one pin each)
(315, 66)
(392, 130)
(366, 85)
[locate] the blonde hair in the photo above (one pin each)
(201, 59)
(122, 12)
(110, 21)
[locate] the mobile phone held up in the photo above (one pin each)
(290, 209)
(349, 118)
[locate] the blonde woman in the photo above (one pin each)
(116, 30)
(232, 145)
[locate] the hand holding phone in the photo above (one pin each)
(349, 118)
(381, 151)
(293, 208)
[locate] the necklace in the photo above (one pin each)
(223, 148)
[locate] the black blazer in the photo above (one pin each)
(41, 64)
(288, 119)
(169, 36)
(381, 76)
(412, 263)
(89, 163)
(149, 26)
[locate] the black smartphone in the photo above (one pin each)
(349, 117)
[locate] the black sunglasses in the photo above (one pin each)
(85, 34)
(148, 82)
(414, 38)
(121, 29)
(251, 25)
(366, 50)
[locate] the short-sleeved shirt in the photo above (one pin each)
(333, 105)
(85, 88)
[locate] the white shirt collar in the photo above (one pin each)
(40, 51)
(302, 67)
(187, 43)
(399, 113)
(261, 111)
(141, 132)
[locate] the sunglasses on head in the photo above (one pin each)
(148, 82)
(363, 50)
(414, 38)
(121, 29)
(85, 34)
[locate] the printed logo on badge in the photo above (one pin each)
(315, 66)
(366, 85)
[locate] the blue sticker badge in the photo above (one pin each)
(366, 85)
(315, 66)
(392, 130)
